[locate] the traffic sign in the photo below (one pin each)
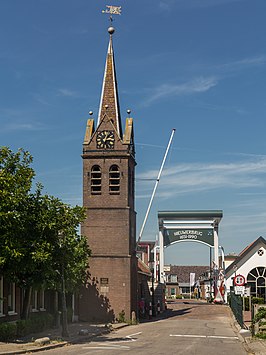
(240, 290)
(239, 280)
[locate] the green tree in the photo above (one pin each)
(62, 252)
(70, 252)
(16, 177)
(39, 241)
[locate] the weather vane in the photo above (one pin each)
(112, 10)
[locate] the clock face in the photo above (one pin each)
(105, 140)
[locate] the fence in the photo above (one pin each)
(236, 305)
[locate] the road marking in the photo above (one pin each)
(221, 337)
(187, 336)
(203, 336)
(115, 347)
(131, 335)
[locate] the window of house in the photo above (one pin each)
(1, 296)
(34, 301)
(173, 278)
(172, 291)
(41, 299)
(11, 297)
(256, 280)
(114, 179)
(96, 180)
(184, 290)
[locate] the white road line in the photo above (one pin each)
(221, 337)
(187, 336)
(132, 335)
(113, 345)
(203, 336)
(106, 347)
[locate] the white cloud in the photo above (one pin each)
(167, 5)
(197, 85)
(23, 126)
(67, 93)
(188, 178)
(40, 99)
(244, 63)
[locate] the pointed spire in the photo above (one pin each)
(109, 104)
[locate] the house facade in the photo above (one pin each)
(178, 280)
(250, 264)
(11, 301)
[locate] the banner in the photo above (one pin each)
(192, 279)
(205, 236)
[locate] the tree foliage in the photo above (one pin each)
(16, 178)
(38, 233)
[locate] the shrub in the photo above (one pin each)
(121, 317)
(40, 322)
(178, 297)
(23, 327)
(261, 335)
(257, 300)
(37, 323)
(261, 314)
(8, 331)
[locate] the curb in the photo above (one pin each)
(34, 348)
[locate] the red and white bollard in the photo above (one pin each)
(158, 307)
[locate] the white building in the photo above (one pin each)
(251, 264)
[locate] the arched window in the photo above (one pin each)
(114, 179)
(96, 180)
(256, 280)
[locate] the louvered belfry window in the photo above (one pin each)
(96, 180)
(114, 180)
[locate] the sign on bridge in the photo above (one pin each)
(205, 236)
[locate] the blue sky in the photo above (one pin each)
(195, 65)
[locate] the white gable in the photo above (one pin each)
(255, 257)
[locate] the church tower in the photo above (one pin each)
(109, 198)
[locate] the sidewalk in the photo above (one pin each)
(51, 338)
(253, 345)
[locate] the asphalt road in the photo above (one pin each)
(188, 328)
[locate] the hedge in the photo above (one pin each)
(20, 328)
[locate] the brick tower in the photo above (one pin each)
(109, 198)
